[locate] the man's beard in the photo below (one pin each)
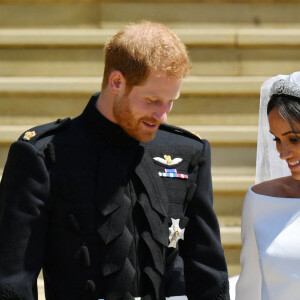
(130, 124)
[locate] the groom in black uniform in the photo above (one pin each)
(115, 204)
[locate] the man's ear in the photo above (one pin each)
(117, 82)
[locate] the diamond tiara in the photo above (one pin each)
(284, 87)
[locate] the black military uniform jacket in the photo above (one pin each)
(91, 206)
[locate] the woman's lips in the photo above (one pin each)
(293, 165)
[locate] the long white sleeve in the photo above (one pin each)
(249, 284)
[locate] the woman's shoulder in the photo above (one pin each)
(284, 187)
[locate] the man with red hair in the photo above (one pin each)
(115, 204)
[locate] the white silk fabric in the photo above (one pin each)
(270, 256)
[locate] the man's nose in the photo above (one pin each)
(160, 116)
(161, 113)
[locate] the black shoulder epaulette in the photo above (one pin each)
(35, 133)
(181, 131)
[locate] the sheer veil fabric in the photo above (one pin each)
(268, 164)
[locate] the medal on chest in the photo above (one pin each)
(175, 233)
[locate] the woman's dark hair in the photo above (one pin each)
(288, 108)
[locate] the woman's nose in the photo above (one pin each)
(285, 152)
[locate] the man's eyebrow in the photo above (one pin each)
(158, 98)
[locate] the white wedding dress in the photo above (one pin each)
(270, 256)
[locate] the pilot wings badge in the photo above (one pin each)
(167, 160)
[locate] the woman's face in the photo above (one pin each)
(287, 141)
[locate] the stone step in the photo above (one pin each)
(232, 184)
(233, 261)
(230, 227)
(88, 38)
(201, 37)
(113, 14)
(207, 61)
(214, 52)
(193, 85)
(226, 134)
(230, 203)
(222, 100)
(231, 237)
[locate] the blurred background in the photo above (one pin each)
(51, 62)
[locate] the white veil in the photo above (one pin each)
(268, 164)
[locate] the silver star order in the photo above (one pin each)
(175, 233)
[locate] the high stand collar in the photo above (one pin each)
(104, 129)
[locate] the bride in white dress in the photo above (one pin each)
(270, 256)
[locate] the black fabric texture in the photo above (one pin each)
(84, 201)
